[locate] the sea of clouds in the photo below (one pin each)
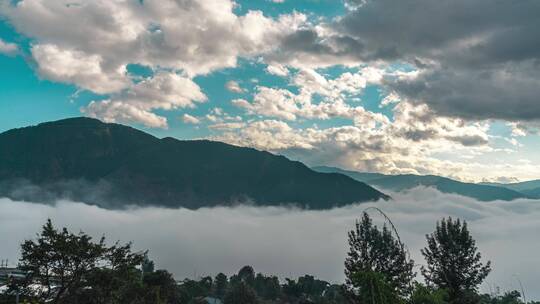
(291, 242)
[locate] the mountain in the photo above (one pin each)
(112, 165)
(530, 188)
(364, 177)
(408, 181)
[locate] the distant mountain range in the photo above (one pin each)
(531, 188)
(112, 165)
(482, 192)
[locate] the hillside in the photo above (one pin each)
(530, 188)
(408, 181)
(112, 165)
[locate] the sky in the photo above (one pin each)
(413, 86)
(289, 242)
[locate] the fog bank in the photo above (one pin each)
(290, 242)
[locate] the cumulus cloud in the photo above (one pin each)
(72, 66)
(234, 86)
(8, 48)
(163, 91)
(479, 60)
(482, 66)
(288, 242)
(90, 44)
(194, 36)
(227, 126)
(118, 111)
(277, 69)
(284, 104)
(408, 143)
(189, 119)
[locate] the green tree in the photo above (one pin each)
(425, 295)
(306, 288)
(247, 275)
(453, 261)
(220, 285)
(241, 293)
(267, 287)
(160, 287)
(333, 295)
(65, 264)
(191, 289)
(509, 297)
(377, 251)
(373, 288)
(147, 265)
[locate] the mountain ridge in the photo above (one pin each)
(403, 182)
(91, 161)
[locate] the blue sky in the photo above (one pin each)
(311, 79)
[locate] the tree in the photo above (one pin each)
(374, 250)
(161, 287)
(453, 260)
(247, 275)
(509, 297)
(374, 289)
(306, 288)
(220, 285)
(66, 265)
(191, 289)
(241, 293)
(147, 265)
(426, 295)
(333, 295)
(267, 287)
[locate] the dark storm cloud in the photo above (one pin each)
(426, 27)
(502, 92)
(480, 59)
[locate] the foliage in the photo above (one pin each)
(66, 265)
(373, 288)
(509, 297)
(241, 293)
(220, 285)
(147, 265)
(453, 261)
(267, 287)
(377, 251)
(426, 295)
(306, 288)
(72, 268)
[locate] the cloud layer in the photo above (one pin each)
(289, 242)
(479, 59)
(91, 43)
(414, 86)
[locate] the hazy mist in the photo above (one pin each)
(290, 242)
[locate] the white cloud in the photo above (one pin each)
(282, 103)
(164, 90)
(72, 66)
(186, 118)
(227, 126)
(229, 238)
(234, 86)
(121, 112)
(411, 140)
(277, 69)
(415, 141)
(90, 44)
(195, 36)
(8, 48)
